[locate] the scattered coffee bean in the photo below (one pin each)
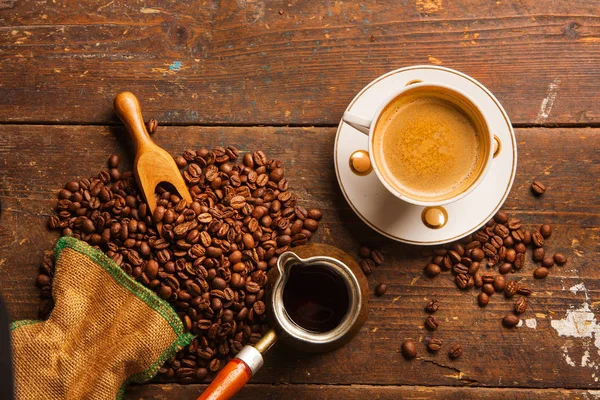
(113, 162)
(541, 272)
(432, 270)
(546, 231)
(377, 257)
(431, 322)
(367, 266)
(519, 260)
(521, 305)
(511, 288)
(364, 252)
(520, 247)
(548, 262)
(432, 306)
(434, 345)
(538, 254)
(483, 299)
(524, 291)
(538, 188)
(505, 268)
(152, 125)
(499, 283)
(537, 239)
(409, 349)
(488, 289)
(380, 289)
(455, 351)
(477, 254)
(510, 321)
(560, 259)
(501, 217)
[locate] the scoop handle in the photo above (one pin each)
(129, 111)
(228, 382)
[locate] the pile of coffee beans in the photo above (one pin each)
(502, 243)
(210, 261)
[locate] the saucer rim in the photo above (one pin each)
(501, 201)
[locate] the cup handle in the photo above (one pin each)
(359, 123)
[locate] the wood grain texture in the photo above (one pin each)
(288, 62)
(37, 160)
(361, 392)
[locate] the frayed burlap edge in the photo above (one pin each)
(137, 289)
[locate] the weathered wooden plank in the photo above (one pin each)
(289, 62)
(36, 160)
(361, 392)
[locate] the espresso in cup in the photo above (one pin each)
(430, 144)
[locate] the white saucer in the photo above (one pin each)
(402, 221)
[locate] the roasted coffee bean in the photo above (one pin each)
(511, 255)
(521, 305)
(447, 263)
(499, 283)
(474, 268)
(490, 250)
(455, 351)
(502, 253)
(501, 217)
(462, 280)
(496, 241)
(431, 322)
(501, 231)
(505, 268)
(538, 188)
(367, 265)
(432, 270)
(523, 290)
(538, 254)
(438, 260)
(519, 260)
(432, 306)
(380, 289)
(477, 254)
(434, 345)
(511, 288)
(454, 256)
(487, 277)
(376, 255)
(510, 321)
(509, 242)
(546, 231)
(113, 162)
(488, 289)
(483, 299)
(520, 247)
(526, 238)
(560, 259)
(459, 248)
(364, 252)
(517, 235)
(537, 239)
(548, 262)
(409, 349)
(459, 269)
(151, 126)
(514, 224)
(541, 272)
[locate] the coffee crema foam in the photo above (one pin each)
(427, 147)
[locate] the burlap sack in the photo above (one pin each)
(105, 331)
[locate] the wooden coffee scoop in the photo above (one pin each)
(152, 164)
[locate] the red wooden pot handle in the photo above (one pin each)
(228, 382)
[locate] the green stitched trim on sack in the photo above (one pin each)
(141, 292)
(24, 322)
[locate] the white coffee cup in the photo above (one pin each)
(463, 102)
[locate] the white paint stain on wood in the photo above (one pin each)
(548, 101)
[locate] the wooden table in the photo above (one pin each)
(277, 76)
